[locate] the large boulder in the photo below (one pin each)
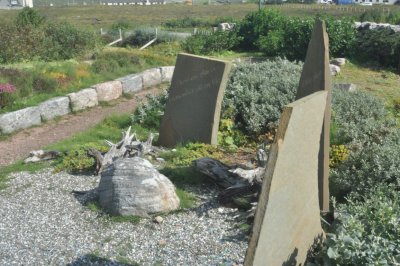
(132, 186)
(20, 119)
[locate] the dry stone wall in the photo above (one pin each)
(83, 99)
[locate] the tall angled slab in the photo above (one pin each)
(194, 102)
(287, 220)
(316, 76)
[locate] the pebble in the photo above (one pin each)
(46, 221)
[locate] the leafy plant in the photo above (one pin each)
(229, 136)
(149, 114)
(256, 94)
(29, 17)
(366, 231)
(337, 155)
(360, 118)
(7, 94)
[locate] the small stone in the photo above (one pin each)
(158, 219)
(161, 160)
(350, 87)
(220, 210)
(338, 61)
(334, 70)
(162, 242)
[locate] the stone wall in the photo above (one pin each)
(83, 99)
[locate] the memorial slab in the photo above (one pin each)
(194, 103)
(316, 76)
(287, 220)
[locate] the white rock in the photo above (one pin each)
(159, 219)
(132, 186)
(334, 69)
(151, 77)
(108, 91)
(167, 73)
(83, 99)
(338, 61)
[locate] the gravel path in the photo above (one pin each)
(43, 222)
(20, 144)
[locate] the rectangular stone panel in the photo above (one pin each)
(287, 221)
(194, 103)
(316, 76)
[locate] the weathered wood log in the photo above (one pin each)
(41, 155)
(235, 181)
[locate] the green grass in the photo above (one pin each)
(380, 82)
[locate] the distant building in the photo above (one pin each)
(373, 2)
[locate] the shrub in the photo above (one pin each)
(366, 231)
(64, 41)
(256, 94)
(229, 136)
(122, 57)
(77, 159)
(374, 165)
(149, 114)
(379, 45)
(102, 66)
(7, 94)
(210, 43)
(337, 155)
(29, 17)
(186, 22)
(360, 118)
(44, 83)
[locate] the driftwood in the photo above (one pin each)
(128, 146)
(236, 182)
(41, 155)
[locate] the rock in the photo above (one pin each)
(20, 119)
(334, 69)
(132, 186)
(54, 107)
(345, 86)
(338, 61)
(158, 219)
(108, 91)
(162, 242)
(83, 99)
(131, 83)
(151, 77)
(166, 73)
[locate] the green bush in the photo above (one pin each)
(366, 231)
(367, 168)
(206, 44)
(274, 34)
(102, 66)
(379, 45)
(149, 114)
(44, 84)
(29, 17)
(77, 159)
(360, 118)
(256, 94)
(64, 41)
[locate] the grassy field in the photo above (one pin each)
(96, 16)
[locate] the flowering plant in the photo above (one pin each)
(6, 94)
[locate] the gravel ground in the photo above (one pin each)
(44, 221)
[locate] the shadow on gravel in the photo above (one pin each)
(85, 197)
(92, 259)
